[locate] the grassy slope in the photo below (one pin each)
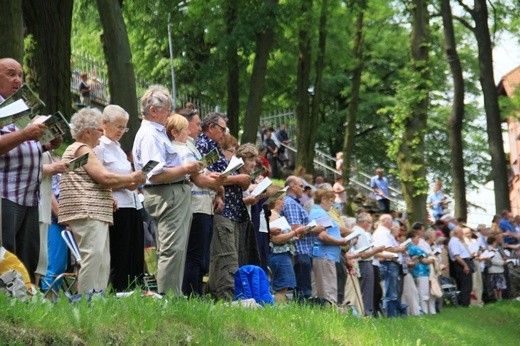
(135, 320)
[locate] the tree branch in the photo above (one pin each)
(466, 7)
(464, 22)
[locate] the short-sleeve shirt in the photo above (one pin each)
(152, 143)
(435, 198)
(296, 215)
(456, 248)
(381, 184)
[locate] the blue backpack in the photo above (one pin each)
(251, 282)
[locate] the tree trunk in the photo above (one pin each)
(489, 90)
(410, 156)
(121, 76)
(318, 89)
(49, 21)
(11, 27)
(305, 152)
(233, 94)
(350, 133)
(455, 120)
(264, 42)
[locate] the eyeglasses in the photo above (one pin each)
(221, 127)
(121, 128)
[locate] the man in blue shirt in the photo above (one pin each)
(297, 216)
(379, 185)
(510, 235)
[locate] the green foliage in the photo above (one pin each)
(136, 320)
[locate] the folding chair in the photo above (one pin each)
(65, 281)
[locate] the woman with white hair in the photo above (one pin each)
(86, 203)
(127, 233)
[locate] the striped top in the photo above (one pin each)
(20, 171)
(80, 196)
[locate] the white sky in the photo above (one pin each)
(506, 55)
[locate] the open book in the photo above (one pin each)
(24, 103)
(354, 234)
(149, 166)
(364, 248)
(280, 223)
(210, 158)
(56, 124)
(277, 195)
(487, 254)
(77, 162)
(261, 187)
(325, 221)
(234, 165)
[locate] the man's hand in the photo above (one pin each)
(33, 132)
(218, 204)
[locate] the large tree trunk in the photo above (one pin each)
(318, 89)
(49, 21)
(305, 151)
(264, 42)
(455, 120)
(487, 82)
(350, 133)
(11, 27)
(410, 156)
(233, 94)
(121, 76)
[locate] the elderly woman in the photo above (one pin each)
(327, 251)
(178, 130)
(86, 203)
(126, 234)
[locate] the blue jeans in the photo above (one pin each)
(389, 274)
(302, 271)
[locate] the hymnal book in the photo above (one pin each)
(56, 124)
(364, 248)
(276, 195)
(310, 226)
(23, 103)
(149, 166)
(280, 223)
(78, 162)
(325, 221)
(261, 187)
(406, 242)
(234, 165)
(210, 158)
(258, 173)
(487, 254)
(353, 235)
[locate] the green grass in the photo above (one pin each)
(135, 320)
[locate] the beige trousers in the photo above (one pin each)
(325, 279)
(94, 248)
(170, 208)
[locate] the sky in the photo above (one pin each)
(506, 55)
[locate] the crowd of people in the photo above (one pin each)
(209, 222)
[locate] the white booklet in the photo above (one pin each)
(325, 221)
(486, 254)
(364, 248)
(234, 165)
(280, 223)
(261, 187)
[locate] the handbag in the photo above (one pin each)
(435, 287)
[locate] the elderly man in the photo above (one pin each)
(462, 266)
(226, 226)
(297, 216)
(388, 264)
(364, 241)
(167, 195)
(20, 175)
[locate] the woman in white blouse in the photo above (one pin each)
(127, 234)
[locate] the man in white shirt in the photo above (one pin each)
(388, 264)
(461, 264)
